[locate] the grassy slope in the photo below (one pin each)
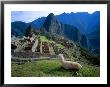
(60, 45)
(52, 68)
(44, 39)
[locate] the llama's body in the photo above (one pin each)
(69, 64)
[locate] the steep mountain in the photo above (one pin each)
(85, 22)
(38, 23)
(94, 41)
(18, 28)
(83, 41)
(72, 32)
(53, 26)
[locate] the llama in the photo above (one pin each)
(69, 64)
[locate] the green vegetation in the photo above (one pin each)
(60, 45)
(51, 68)
(45, 39)
(94, 59)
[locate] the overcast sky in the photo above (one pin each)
(29, 16)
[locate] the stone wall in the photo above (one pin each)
(31, 55)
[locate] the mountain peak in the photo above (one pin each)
(51, 14)
(50, 22)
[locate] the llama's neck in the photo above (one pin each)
(62, 58)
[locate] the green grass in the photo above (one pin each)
(51, 68)
(45, 39)
(60, 46)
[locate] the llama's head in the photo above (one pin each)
(60, 56)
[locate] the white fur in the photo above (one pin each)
(69, 64)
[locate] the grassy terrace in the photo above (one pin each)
(45, 39)
(51, 68)
(60, 46)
